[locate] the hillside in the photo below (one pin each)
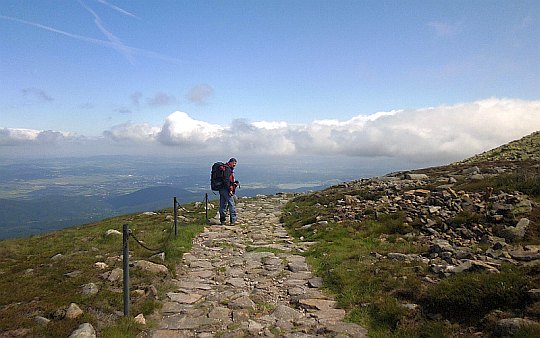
(444, 251)
(524, 149)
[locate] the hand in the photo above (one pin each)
(231, 193)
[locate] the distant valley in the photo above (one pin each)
(37, 196)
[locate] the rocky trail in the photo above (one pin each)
(249, 280)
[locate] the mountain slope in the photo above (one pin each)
(524, 149)
(437, 252)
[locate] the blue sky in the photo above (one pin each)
(425, 79)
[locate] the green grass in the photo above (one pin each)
(469, 297)
(374, 290)
(30, 280)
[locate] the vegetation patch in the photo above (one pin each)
(66, 260)
(467, 297)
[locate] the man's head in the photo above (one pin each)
(232, 162)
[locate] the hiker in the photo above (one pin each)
(226, 193)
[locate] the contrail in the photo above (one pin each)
(115, 41)
(92, 40)
(118, 9)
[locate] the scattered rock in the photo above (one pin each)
(113, 232)
(73, 311)
(151, 267)
(85, 330)
(139, 319)
(90, 289)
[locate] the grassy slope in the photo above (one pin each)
(32, 284)
(376, 292)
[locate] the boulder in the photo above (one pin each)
(73, 311)
(85, 330)
(151, 267)
(416, 177)
(515, 233)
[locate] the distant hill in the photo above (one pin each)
(45, 213)
(48, 212)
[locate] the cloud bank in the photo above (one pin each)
(443, 133)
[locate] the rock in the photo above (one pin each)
(315, 282)
(350, 200)
(524, 255)
(159, 256)
(41, 320)
(243, 302)
(149, 213)
(319, 304)
(184, 298)
(515, 233)
(297, 266)
(57, 257)
(151, 267)
(509, 326)
(534, 294)
(73, 311)
(348, 330)
(85, 330)
(113, 232)
(471, 170)
(416, 177)
(101, 265)
(139, 319)
(115, 275)
(397, 256)
(90, 289)
(472, 265)
(283, 312)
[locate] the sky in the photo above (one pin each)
(415, 80)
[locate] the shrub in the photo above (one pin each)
(469, 296)
(387, 312)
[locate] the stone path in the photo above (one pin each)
(248, 280)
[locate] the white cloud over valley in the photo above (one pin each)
(443, 133)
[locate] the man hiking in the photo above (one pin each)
(223, 180)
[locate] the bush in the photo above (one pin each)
(387, 312)
(469, 296)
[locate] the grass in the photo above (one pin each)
(469, 297)
(42, 265)
(375, 290)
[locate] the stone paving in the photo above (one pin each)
(248, 280)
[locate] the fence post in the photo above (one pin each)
(125, 237)
(175, 218)
(206, 205)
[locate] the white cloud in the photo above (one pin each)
(18, 136)
(181, 129)
(437, 134)
(132, 132)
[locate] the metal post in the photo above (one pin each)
(175, 218)
(206, 205)
(125, 237)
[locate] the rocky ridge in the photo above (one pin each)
(452, 224)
